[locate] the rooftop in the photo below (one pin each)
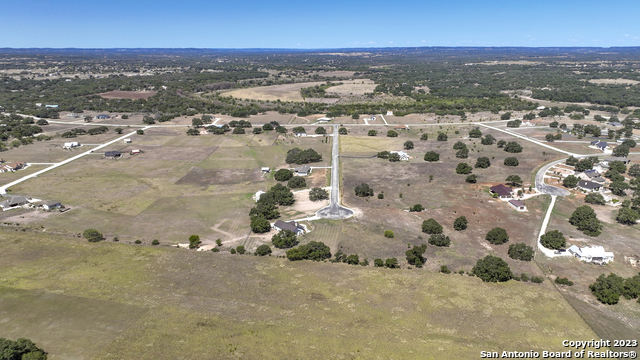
(502, 190)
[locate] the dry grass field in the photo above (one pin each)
(118, 301)
(285, 92)
(133, 95)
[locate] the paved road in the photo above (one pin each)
(548, 189)
(334, 211)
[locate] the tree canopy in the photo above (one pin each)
(585, 220)
(431, 156)
(492, 269)
(363, 190)
(314, 250)
(299, 156)
(463, 168)
(317, 194)
(283, 175)
(553, 239)
(497, 236)
(521, 251)
(460, 223)
(431, 226)
(284, 239)
(92, 235)
(483, 162)
(415, 255)
(20, 349)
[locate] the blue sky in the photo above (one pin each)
(309, 25)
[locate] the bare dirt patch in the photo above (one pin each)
(206, 177)
(286, 92)
(133, 95)
(359, 87)
(614, 81)
(306, 206)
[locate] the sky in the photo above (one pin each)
(325, 24)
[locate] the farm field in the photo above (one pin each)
(159, 302)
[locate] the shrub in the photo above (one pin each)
(352, 260)
(408, 145)
(463, 168)
(388, 234)
(92, 235)
(391, 263)
(563, 281)
(381, 196)
(378, 262)
(439, 240)
(140, 132)
(320, 130)
(240, 249)
(137, 242)
(471, 179)
(263, 250)
(260, 225)
(521, 251)
(460, 223)
(363, 190)
(488, 140)
(232, 251)
(497, 236)
(392, 133)
(297, 182)
(155, 242)
(462, 153)
(284, 239)
(372, 133)
(513, 147)
(511, 161)
(442, 137)
(537, 279)
(343, 131)
(459, 145)
(475, 133)
(445, 269)
(594, 198)
(431, 226)
(416, 208)
(424, 137)
(483, 162)
(431, 156)
(492, 269)
(585, 220)
(314, 250)
(283, 175)
(215, 249)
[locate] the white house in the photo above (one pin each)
(52, 205)
(70, 145)
(593, 254)
(303, 170)
(135, 152)
(540, 108)
(127, 141)
(293, 226)
(324, 119)
(403, 155)
(300, 134)
(518, 205)
(265, 169)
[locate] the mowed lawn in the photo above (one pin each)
(165, 303)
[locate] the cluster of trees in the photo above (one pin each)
(415, 256)
(391, 263)
(349, 259)
(521, 251)
(363, 190)
(497, 236)
(318, 91)
(267, 207)
(297, 182)
(585, 220)
(553, 240)
(317, 194)
(21, 349)
(314, 250)
(92, 235)
(299, 156)
(284, 239)
(462, 150)
(607, 289)
(492, 269)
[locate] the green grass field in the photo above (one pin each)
(163, 303)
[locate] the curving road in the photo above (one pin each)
(548, 189)
(334, 211)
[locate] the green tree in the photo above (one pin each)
(391, 263)
(394, 157)
(343, 131)
(92, 235)
(631, 288)
(634, 170)
(281, 129)
(514, 180)
(513, 147)
(621, 151)
(511, 161)
(415, 256)
(488, 140)
(554, 124)
(283, 175)
(314, 250)
(585, 220)
(505, 116)
(627, 216)
(563, 281)
(21, 349)
(140, 132)
(460, 223)
(521, 251)
(317, 194)
(570, 181)
(584, 165)
(424, 137)
(550, 137)
(408, 145)
(607, 289)
(372, 133)
(299, 156)
(384, 154)
(378, 262)
(238, 130)
(388, 234)
(439, 240)
(483, 162)
(471, 179)
(352, 260)
(240, 250)
(263, 250)
(193, 132)
(442, 137)
(194, 241)
(196, 122)
(119, 130)
(475, 133)
(431, 226)
(497, 236)
(267, 127)
(553, 240)
(492, 269)
(260, 225)
(416, 208)
(618, 166)
(257, 130)
(571, 161)
(297, 182)
(501, 144)
(431, 156)
(595, 198)
(363, 190)
(628, 142)
(459, 145)
(392, 133)
(463, 168)
(462, 153)
(284, 239)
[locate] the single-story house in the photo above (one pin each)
(403, 155)
(595, 142)
(103, 117)
(300, 134)
(72, 116)
(589, 185)
(303, 170)
(112, 154)
(70, 145)
(540, 108)
(324, 119)
(401, 127)
(13, 202)
(52, 205)
(504, 192)
(14, 166)
(593, 254)
(135, 152)
(518, 205)
(605, 162)
(265, 169)
(291, 225)
(127, 141)
(389, 113)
